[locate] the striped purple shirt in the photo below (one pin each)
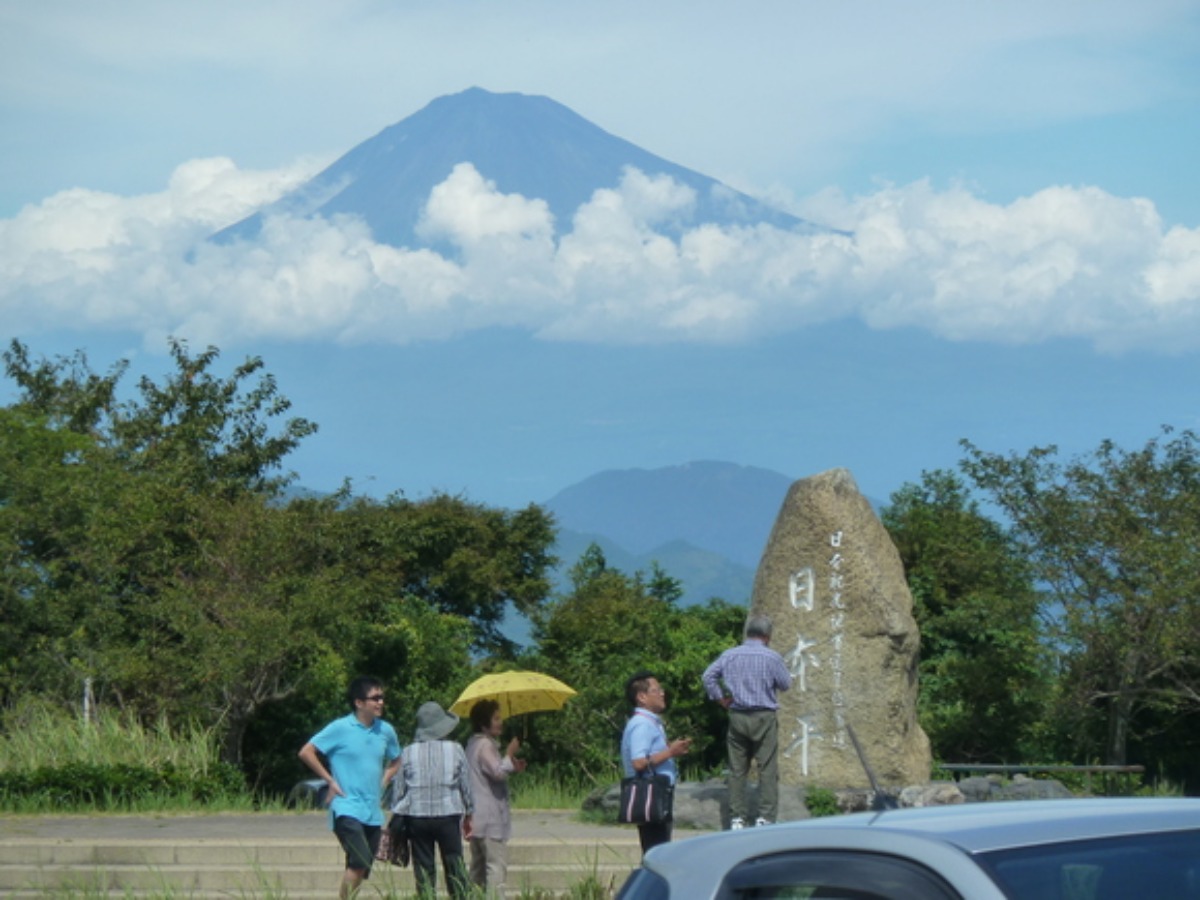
(750, 674)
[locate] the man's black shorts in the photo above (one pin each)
(359, 841)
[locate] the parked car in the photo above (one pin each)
(308, 794)
(1081, 849)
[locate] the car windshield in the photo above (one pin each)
(1162, 866)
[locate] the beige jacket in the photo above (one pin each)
(489, 772)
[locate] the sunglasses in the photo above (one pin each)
(374, 698)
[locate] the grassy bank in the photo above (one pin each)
(52, 761)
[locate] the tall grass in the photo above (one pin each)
(51, 760)
(36, 733)
(535, 789)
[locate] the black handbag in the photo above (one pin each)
(393, 842)
(646, 799)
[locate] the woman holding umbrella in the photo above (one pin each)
(491, 824)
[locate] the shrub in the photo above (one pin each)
(821, 802)
(53, 760)
(114, 786)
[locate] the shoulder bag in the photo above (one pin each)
(394, 842)
(646, 799)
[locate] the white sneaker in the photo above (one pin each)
(737, 824)
(760, 822)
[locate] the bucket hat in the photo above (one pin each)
(433, 722)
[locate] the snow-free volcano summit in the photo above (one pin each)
(526, 145)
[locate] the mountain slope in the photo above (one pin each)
(703, 574)
(716, 506)
(528, 145)
(704, 523)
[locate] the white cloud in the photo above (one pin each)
(1064, 262)
(468, 210)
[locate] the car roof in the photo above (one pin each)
(981, 827)
(941, 831)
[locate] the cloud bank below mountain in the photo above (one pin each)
(1065, 262)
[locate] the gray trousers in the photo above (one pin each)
(753, 735)
(489, 865)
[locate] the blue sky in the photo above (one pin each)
(1018, 177)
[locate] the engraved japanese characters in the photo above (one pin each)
(831, 580)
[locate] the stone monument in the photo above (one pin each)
(832, 582)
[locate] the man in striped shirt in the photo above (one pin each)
(745, 680)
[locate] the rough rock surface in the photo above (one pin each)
(992, 787)
(832, 582)
(704, 805)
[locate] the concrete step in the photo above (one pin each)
(264, 882)
(87, 863)
(620, 849)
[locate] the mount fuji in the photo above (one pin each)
(527, 145)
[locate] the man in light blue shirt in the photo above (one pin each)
(644, 746)
(363, 752)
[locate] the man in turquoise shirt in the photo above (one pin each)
(363, 752)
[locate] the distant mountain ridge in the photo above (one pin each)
(528, 145)
(718, 506)
(702, 574)
(706, 523)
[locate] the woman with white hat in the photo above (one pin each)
(434, 794)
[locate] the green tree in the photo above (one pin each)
(420, 654)
(462, 558)
(47, 489)
(698, 635)
(65, 391)
(146, 548)
(593, 638)
(112, 510)
(212, 433)
(1115, 535)
(609, 626)
(242, 619)
(982, 670)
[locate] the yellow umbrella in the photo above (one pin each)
(516, 692)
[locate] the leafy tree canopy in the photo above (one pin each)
(145, 549)
(1115, 535)
(609, 626)
(982, 669)
(214, 433)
